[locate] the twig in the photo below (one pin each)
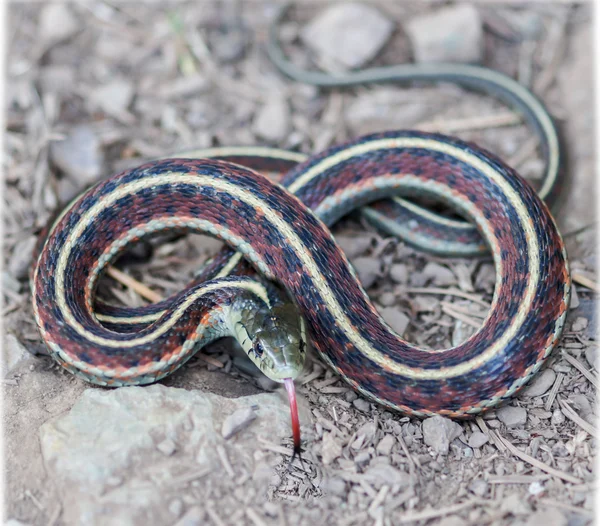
(210, 360)
(568, 411)
(487, 431)
(554, 391)
(517, 479)
(225, 461)
(582, 369)
(432, 514)
(134, 284)
(451, 311)
(585, 281)
(448, 292)
(55, 515)
(463, 310)
(495, 120)
(255, 517)
(537, 463)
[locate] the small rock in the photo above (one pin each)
(515, 504)
(362, 405)
(362, 458)
(176, 507)
(79, 156)
(57, 22)
(368, 270)
(477, 439)
(381, 474)
(395, 318)
(385, 445)
(330, 448)
(20, 260)
(334, 485)
(558, 418)
(167, 447)
(399, 273)
(229, 43)
(574, 298)
(347, 35)
(272, 122)
(387, 299)
(237, 421)
(193, 517)
(512, 416)
(541, 383)
(14, 352)
(452, 34)
(439, 431)
(579, 324)
(581, 403)
(547, 517)
(354, 246)
(479, 487)
(439, 274)
(592, 356)
(115, 97)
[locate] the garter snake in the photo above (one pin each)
(285, 239)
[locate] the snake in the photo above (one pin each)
(280, 232)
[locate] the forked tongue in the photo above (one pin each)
(291, 392)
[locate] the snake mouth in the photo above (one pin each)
(291, 392)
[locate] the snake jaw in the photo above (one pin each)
(291, 392)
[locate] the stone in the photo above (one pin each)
(385, 445)
(515, 504)
(439, 274)
(540, 384)
(380, 474)
(57, 22)
(111, 434)
(114, 97)
(478, 439)
(368, 270)
(330, 448)
(79, 156)
(451, 34)
(237, 421)
(579, 324)
(512, 416)
(347, 35)
(362, 405)
(14, 352)
(479, 487)
(335, 486)
(354, 246)
(439, 431)
(395, 318)
(273, 121)
(399, 273)
(20, 260)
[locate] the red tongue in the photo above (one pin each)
(291, 391)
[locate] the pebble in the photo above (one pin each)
(362, 405)
(20, 261)
(574, 298)
(347, 35)
(515, 504)
(395, 318)
(57, 22)
(237, 421)
(592, 355)
(13, 353)
(479, 487)
(579, 324)
(334, 485)
(477, 439)
(399, 273)
(368, 270)
(512, 416)
(380, 474)
(330, 448)
(167, 447)
(439, 274)
(581, 403)
(439, 431)
(451, 34)
(354, 246)
(273, 122)
(541, 383)
(385, 445)
(558, 417)
(114, 97)
(229, 43)
(387, 299)
(79, 156)
(176, 507)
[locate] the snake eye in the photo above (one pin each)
(258, 348)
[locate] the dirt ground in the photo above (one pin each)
(94, 88)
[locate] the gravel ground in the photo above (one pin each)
(97, 87)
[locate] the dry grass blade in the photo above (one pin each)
(448, 292)
(554, 391)
(538, 463)
(484, 429)
(585, 281)
(432, 514)
(451, 311)
(568, 411)
(134, 284)
(582, 369)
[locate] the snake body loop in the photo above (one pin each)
(284, 237)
